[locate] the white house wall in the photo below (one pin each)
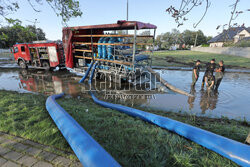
(243, 33)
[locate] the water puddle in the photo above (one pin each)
(232, 99)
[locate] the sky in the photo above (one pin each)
(149, 11)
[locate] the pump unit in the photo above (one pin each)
(121, 55)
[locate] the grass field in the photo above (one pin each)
(131, 141)
(187, 58)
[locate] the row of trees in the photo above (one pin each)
(187, 38)
(16, 33)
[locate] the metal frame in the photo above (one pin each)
(122, 62)
(153, 48)
(134, 48)
(92, 52)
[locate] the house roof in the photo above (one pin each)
(248, 29)
(227, 34)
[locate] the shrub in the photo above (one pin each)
(242, 44)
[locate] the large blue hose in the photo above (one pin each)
(92, 73)
(100, 48)
(104, 48)
(87, 72)
(233, 150)
(88, 151)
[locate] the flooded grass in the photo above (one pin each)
(131, 141)
(189, 57)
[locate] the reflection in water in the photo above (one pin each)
(191, 99)
(49, 82)
(208, 100)
(57, 82)
(232, 100)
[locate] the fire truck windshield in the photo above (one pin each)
(15, 49)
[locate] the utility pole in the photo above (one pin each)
(127, 15)
(34, 22)
(127, 10)
(195, 41)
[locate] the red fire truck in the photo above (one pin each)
(43, 55)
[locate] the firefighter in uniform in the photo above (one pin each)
(210, 81)
(219, 74)
(210, 69)
(195, 73)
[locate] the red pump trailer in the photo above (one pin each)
(41, 55)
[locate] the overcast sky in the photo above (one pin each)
(150, 11)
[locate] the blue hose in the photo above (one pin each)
(104, 48)
(233, 150)
(88, 151)
(92, 73)
(100, 48)
(87, 72)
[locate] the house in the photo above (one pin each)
(232, 35)
(242, 35)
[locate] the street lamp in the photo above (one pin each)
(127, 10)
(34, 22)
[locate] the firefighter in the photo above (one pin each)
(210, 80)
(195, 73)
(219, 74)
(209, 69)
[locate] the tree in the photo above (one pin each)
(201, 38)
(16, 33)
(166, 40)
(66, 9)
(187, 37)
(179, 13)
(38, 31)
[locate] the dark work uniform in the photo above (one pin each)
(210, 79)
(219, 76)
(210, 68)
(194, 80)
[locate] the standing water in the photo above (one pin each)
(232, 99)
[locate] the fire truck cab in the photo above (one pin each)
(41, 55)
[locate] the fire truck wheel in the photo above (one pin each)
(22, 64)
(45, 64)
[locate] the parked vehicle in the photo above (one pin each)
(43, 55)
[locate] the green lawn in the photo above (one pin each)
(189, 57)
(131, 141)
